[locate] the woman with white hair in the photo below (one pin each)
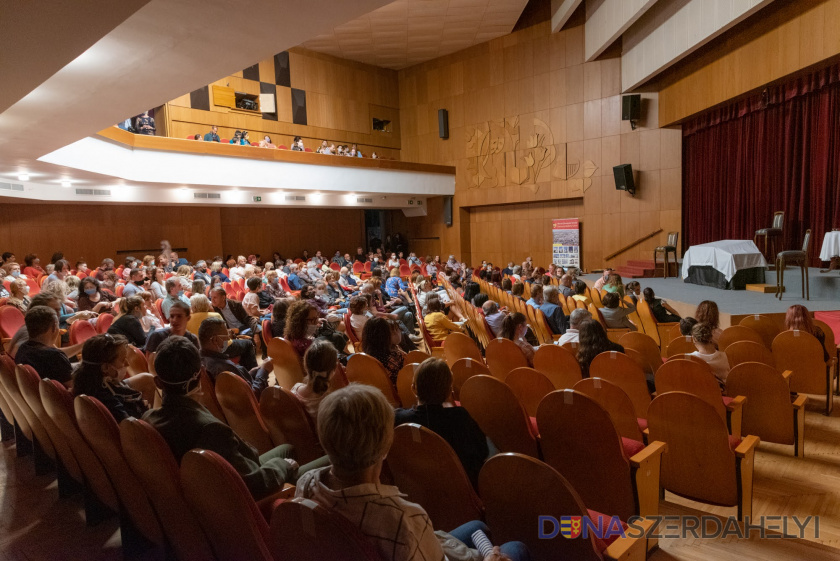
(200, 310)
(356, 428)
(19, 295)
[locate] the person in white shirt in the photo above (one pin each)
(393, 262)
(348, 280)
(703, 341)
(572, 335)
(238, 272)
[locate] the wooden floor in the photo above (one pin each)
(35, 525)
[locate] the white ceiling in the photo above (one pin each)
(408, 32)
(105, 71)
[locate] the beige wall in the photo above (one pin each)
(530, 122)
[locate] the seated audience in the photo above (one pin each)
(615, 285)
(319, 363)
(536, 299)
(433, 387)
(799, 318)
(251, 301)
(518, 290)
(214, 340)
(686, 325)
(216, 272)
(565, 286)
(572, 335)
(515, 328)
(106, 266)
(33, 268)
(135, 284)
(278, 316)
(662, 312)
(553, 310)
(707, 351)
(179, 316)
(102, 374)
(707, 312)
(381, 342)
(302, 322)
(185, 424)
(40, 350)
(266, 142)
(213, 135)
(127, 323)
(494, 316)
(437, 323)
(602, 280)
(237, 138)
(174, 293)
(633, 289)
(150, 319)
(273, 288)
(93, 298)
(297, 144)
(237, 319)
(615, 316)
(19, 295)
(200, 309)
(593, 341)
(158, 284)
(351, 487)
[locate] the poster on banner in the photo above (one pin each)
(566, 242)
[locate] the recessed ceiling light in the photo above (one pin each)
(66, 184)
(23, 177)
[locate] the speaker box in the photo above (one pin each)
(447, 211)
(631, 107)
(624, 178)
(443, 123)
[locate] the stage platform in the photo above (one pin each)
(734, 305)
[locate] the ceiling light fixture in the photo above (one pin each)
(66, 184)
(23, 177)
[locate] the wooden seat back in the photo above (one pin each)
(691, 377)
(463, 369)
(287, 368)
(558, 364)
(457, 346)
(364, 369)
(242, 411)
(622, 371)
(529, 387)
(749, 351)
(501, 417)
(503, 356)
(768, 411)
(684, 344)
(645, 345)
(425, 467)
(405, 379)
(737, 333)
(616, 403)
(289, 423)
(801, 353)
(765, 326)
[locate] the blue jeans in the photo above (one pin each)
(405, 317)
(515, 550)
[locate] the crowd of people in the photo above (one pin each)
(190, 317)
(242, 138)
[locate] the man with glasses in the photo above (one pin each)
(214, 339)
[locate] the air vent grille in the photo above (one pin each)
(364, 200)
(295, 197)
(207, 195)
(94, 192)
(11, 186)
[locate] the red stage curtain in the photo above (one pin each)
(778, 150)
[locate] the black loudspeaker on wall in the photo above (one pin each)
(447, 211)
(443, 123)
(624, 178)
(631, 109)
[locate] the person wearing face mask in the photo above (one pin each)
(185, 424)
(174, 293)
(102, 374)
(201, 272)
(237, 319)
(19, 297)
(107, 265)
(127, 324)
(93, 298)
(135, 284)
(514, 328)
(13, 272)
(214, 340)
(348, 281)
(273, 288)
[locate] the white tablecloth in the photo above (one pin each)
(831, 246)
(726, 256)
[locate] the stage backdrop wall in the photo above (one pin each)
(779, 150)
(93, 232)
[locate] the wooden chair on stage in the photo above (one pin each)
(794, 257)
(769, 412)
(696, 378)
(500, 415)
(749, 351)
(772, 233)
(529, 387)
(617, 403)
(622, 371)
(802, 353)
(513, 503)
(736, 334)
(669, 247)
(703, 463)
(558, 364)
(765, 326)
(425, 467)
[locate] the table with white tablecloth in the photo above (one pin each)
(726, 264)
(830, 246)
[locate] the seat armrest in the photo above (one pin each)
(786, 375)
(747, 446)
(267, 504)
(736, 403)
(655, 448)
(800, 401)
(631, 549)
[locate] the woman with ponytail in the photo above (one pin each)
(320, 362)
(514, 328)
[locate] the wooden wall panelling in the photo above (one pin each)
(532, 124)
(784, 38)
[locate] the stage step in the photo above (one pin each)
(763, 288)
(637, 269)
(641, 264)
